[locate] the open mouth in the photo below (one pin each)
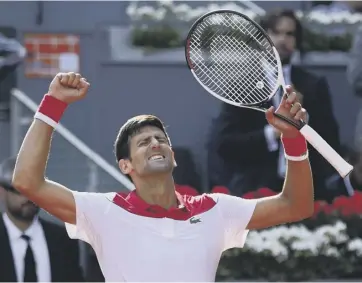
(157, 157)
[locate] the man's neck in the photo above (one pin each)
(286, 61)
(158, 192)
(21, 224)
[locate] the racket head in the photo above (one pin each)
(232, 81)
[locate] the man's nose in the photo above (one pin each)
(155, 144)
(282, 37)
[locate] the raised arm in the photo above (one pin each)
(29, 174)
(296, 201)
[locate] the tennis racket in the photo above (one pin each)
(234, 59)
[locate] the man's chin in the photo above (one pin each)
(285, 59)
(159, 169)
(29, 213)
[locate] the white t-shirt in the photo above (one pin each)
(135, 241)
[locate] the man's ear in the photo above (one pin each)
(125, 166)
(174, 160)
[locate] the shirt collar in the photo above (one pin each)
(134, 204)
(134, 199)
(15, 233)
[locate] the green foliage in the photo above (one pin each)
(165, 36)
(316, 41)
(156, 37)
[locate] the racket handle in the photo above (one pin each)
(342, 166)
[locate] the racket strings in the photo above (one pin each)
(232, 58)
(256, 35)
(247, 79)
(233, 69)
(233, 50)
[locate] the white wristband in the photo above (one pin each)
(45, 119)
(297, 158)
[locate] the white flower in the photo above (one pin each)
(146, 11)
(182, 12)
(259, 242)
(310, 246)
(131, 10)
(159, 14)
(331, 251)
(334, 233)
(354, 18)
(276, 240)
(356, 246)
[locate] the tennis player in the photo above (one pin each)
(155, 234)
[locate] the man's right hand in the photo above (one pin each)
(68, 87)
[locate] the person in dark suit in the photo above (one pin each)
(245, 152)
(352, 183)
(32, 249)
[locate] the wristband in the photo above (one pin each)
(295, 149)
(50, 110)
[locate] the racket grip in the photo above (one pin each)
(342, 166)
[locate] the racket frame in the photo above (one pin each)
(280, 79)
(341, 166)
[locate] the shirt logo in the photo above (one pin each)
(194, 220)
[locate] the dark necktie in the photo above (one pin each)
(29, 262)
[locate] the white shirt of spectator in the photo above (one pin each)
(135, 241)
(38, 244)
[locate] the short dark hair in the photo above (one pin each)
(6, 173)
(131, 128)
(270, 20)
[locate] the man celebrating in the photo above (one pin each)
(154, 233)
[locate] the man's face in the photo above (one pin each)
(283, 36)
(19, 206)
(150, 153)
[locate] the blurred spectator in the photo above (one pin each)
(11, 54)
(354, 77)
(32, 249)
(353, 182)
(245, 152)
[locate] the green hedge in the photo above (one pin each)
(165, 36)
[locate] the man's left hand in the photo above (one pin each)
(299, 95)
(289, 107)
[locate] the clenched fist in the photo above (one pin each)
(290, 107)
(68, 87)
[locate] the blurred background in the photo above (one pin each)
(132, 54)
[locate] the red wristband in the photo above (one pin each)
(295, 148)
(51, 110)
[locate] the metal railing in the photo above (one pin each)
(64, 146)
